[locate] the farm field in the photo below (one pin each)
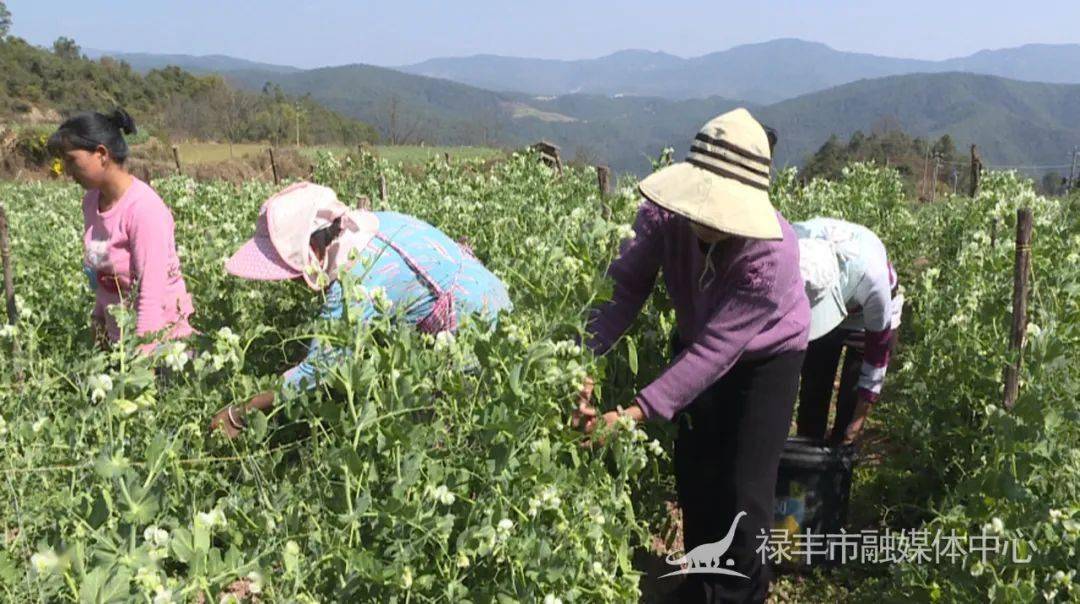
(394, 154)
(445, 471)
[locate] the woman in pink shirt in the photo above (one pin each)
(128, 237)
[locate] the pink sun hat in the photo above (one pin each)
(281, 246)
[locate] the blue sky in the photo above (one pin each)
(333, 32)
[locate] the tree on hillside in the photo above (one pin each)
(66, 48)
(5, 21)
(1052, 183)
(944, 148)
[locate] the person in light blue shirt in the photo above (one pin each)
(398, 263)
(385, 273)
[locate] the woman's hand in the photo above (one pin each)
(862, 411)
(233, 419)
(230, 421)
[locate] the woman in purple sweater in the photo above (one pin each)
(731, 267)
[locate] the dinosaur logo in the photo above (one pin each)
(708, 558)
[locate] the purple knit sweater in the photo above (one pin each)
(754, 307)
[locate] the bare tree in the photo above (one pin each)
(399, 127)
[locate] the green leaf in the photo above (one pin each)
(631, 355)
(105, 586)
(183, 545)
(515, 381)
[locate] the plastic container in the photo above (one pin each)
(812, 490)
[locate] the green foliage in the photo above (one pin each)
(425, 470)
(912, 158)
(444, 470)
(171, 101)
(954, 459)
(5, 21)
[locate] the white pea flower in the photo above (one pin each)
(213, 518)
(3, 426)
(442, 494)
(155, 536)
(462, 560)
(444, 340)
(100, 386)
(228, 336)
(255, 584)
(977, 569)
(656, 448)
(998, 525)
(177, 356)
(597, 516)
(1033, 330)
(9, 331)
(505, 525)
(125, 406)
(39, 424)
(163, 596)
(407, 577)
(551, 599)
(148, 578)
(625, 231)
(292, 548)
(626, 422)
(1055, 515)
(44, 562)
(598, 568)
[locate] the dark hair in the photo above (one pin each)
(88, 130)
(771, 135)
(322, 238)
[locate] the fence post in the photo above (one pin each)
(1021, 272)
(976, 172)
(176, 158)
(446, 156)
(382, 188)
(603, 173)
(273, 165)
(9, 289)
(363, 202)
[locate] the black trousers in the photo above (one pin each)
(726, 458)
(819, 378)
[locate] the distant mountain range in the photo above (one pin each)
(199, 64)
(761, 73)
(1013, 121)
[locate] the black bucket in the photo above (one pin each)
(812, 490)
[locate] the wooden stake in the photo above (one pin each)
(976, 172)
(363, 202)
(9, 288)
(603, 173)
(176, 158)
(382, 188)
(273, 165)
(1021, 272)
(446, 156)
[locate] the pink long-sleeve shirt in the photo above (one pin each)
(130, 251)
(755, 305)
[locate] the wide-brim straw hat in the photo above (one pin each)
(724, 182)
(281, 246)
